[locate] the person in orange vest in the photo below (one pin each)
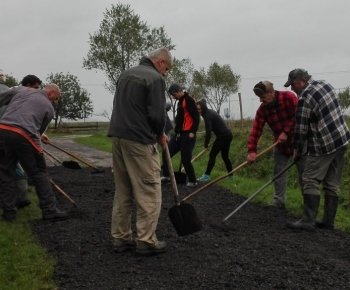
(186, 126)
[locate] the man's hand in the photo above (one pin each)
(162, 140)
(191, 135)
(282, 138)
(251, 157)
(45, 139)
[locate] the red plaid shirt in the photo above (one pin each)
(280, 116)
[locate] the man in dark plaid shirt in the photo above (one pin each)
(278, 111)
(321, 127)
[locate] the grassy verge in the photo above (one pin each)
(24, 264)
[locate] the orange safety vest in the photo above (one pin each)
(188, 121)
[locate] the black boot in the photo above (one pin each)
(22, 193)
(307, 222)
(330, 210)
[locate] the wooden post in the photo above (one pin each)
(240, 108)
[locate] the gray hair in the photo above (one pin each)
(160, 53)
(53, 87)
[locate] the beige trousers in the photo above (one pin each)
(136, 170)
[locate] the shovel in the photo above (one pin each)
(226, 175)
(64, 163)
(183, 216)
(260, 190)
(68, 164)
(199, 154)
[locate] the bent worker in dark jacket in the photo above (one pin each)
(214, 123)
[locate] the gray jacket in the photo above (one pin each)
(3, 88)
(28, 109)
(139, 104)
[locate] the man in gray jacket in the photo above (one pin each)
(28, 114)
(137, 125)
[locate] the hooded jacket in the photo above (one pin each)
(213, 123)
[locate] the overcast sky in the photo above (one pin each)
(259, 39)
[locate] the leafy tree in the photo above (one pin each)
(74, 102)
(181, 72)
(121, 41)
(344, 99)
(215, 84)
(11, 81)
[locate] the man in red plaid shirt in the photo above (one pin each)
(278, 111)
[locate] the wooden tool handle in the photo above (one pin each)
(172, 175)
(63, 193)
(226, 175)
(74, 156)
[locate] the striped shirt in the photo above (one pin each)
(280, 116)
(319, 121)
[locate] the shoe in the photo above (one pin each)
(58, 215)
(325, 226)
(165, 179)
(192, 184)
(278, 205)
(9, 218)
(23, 204)
(204, 177)
(143, 248)
(123, 246)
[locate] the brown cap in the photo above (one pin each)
(263, 87)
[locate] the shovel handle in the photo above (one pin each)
(258, 191)
(226, 175)
(172, 175)
(199, 155)
(63, 193)
(74, 156)
(52, 156)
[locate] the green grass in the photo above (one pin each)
(24, 264)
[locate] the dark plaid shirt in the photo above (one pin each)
(319, 122)
(280, 116)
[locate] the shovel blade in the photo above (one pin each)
(180, 177)
(71, 164)
(184, 219)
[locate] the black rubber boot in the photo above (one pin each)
(330, 210)
(307, 222)
(22, 193)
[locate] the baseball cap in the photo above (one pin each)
(263, 87)
(295, 74)
(175, 87)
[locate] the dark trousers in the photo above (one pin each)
(17, 148)
(221, 144)
(183, 143)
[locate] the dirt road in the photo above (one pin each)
(91, 155)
